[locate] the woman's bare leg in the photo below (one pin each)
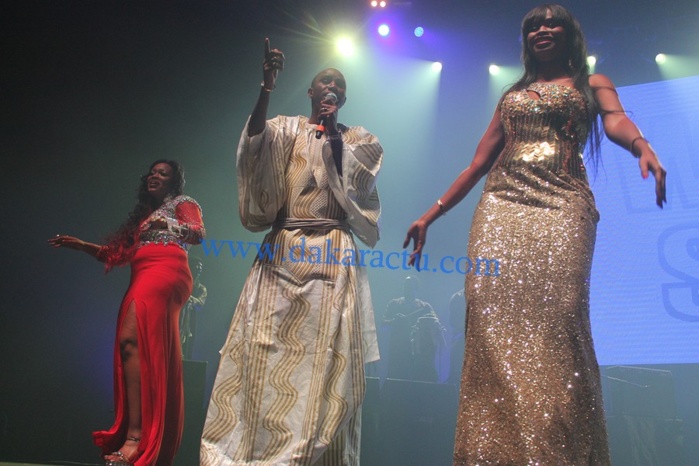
(128, 344)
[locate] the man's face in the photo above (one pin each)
(330, 80)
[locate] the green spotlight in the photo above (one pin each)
(345, 46)
(677, 66)
(500, 79)
(436, 67)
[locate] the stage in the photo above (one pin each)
(95, 90)
(651, 417)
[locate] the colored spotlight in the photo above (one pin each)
(419, 31)
(660, 58)
(494, 70)
(378, 4)
(436, 67)
(384, 30)
(345, 47)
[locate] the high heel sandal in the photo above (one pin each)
(123, 460)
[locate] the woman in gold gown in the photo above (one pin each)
(530, 387)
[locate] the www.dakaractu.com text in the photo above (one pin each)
(371, 258)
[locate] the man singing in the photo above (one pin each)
(291, 381)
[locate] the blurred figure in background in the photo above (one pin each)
(408, 341)
(457, 340)
(193, 306)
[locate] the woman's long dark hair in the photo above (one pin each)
(576, 60)
(121, 243)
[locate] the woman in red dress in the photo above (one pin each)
(148, 388)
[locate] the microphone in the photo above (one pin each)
(330, 98)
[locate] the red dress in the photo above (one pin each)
(160, 285)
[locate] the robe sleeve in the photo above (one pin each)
(261, 167)
(356, 190)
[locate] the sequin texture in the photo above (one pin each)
(530, 389)
(182, 232)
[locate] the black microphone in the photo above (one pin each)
(330, 98)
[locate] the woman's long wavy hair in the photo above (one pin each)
(576, 61)
(121, 243)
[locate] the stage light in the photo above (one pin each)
(673, 66)
(378, 4)
(384, 30)
(501, 77)
(436, 67)
(345, 46)
(591, 62)
(419, 31)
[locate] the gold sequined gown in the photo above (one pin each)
(530, 388)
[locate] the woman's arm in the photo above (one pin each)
(190, 225)
(622, 131)
(71, 242)
(489, 147)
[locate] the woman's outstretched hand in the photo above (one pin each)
(65, 241)
(649, 162)
(418, 234)
(71, 242)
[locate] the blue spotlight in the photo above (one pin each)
(419, 31)
(384, 30)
